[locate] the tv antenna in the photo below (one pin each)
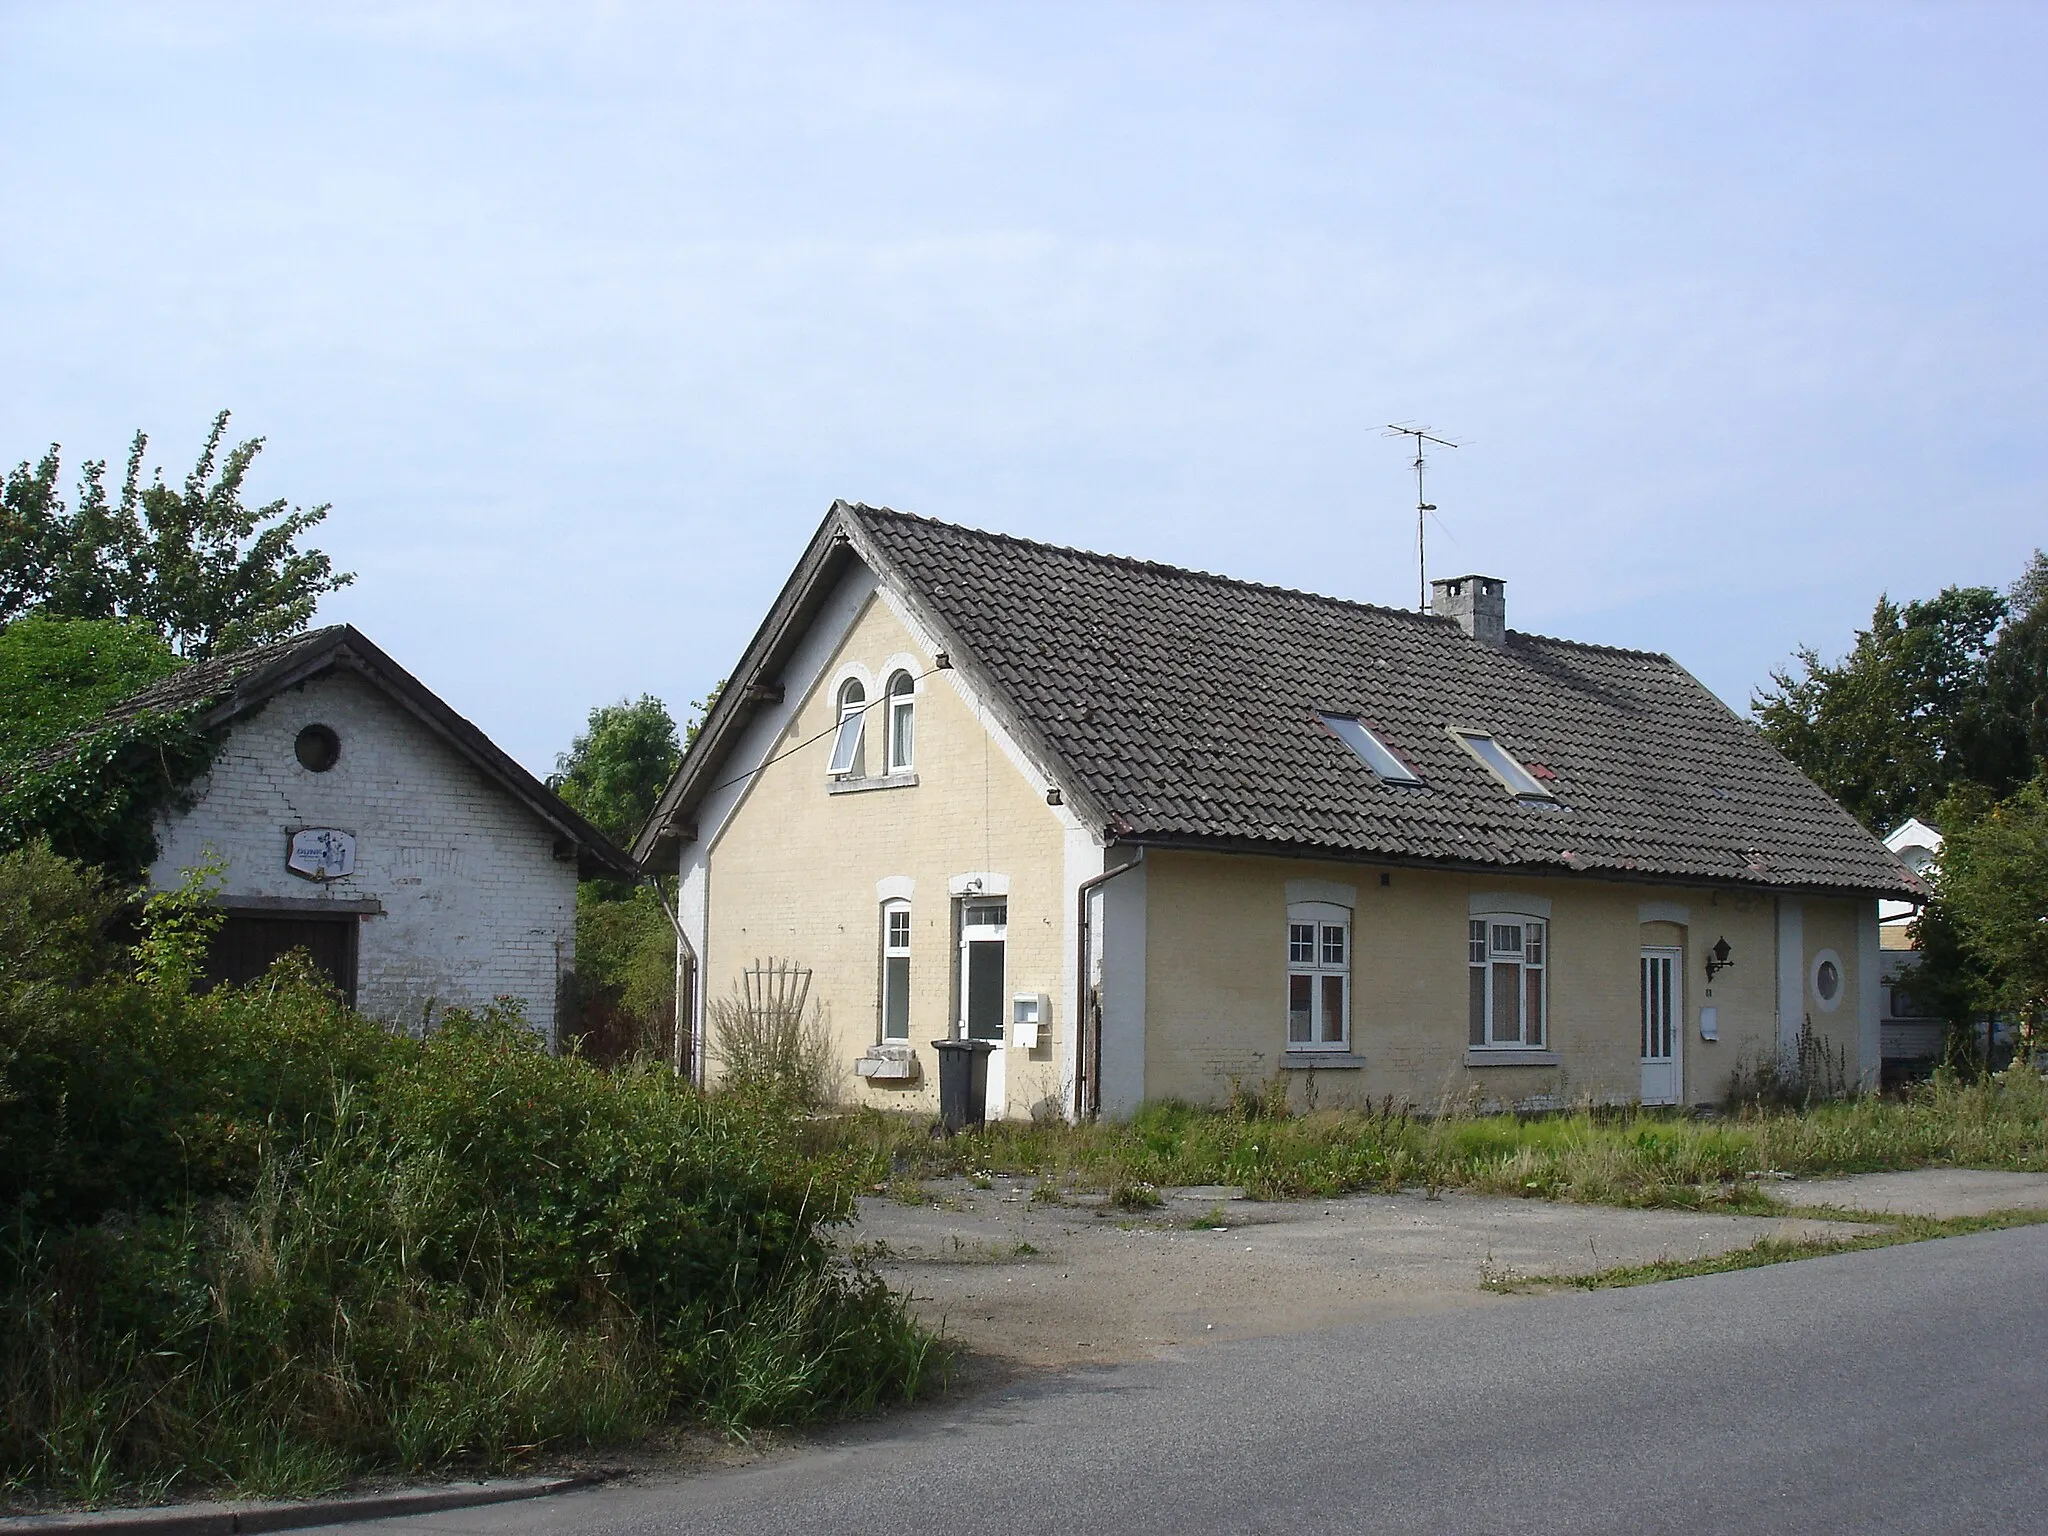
(1423, 507)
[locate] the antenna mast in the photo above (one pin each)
(1422, 507)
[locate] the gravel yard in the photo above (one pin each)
(1041, 1284)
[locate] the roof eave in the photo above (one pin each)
(749, 688)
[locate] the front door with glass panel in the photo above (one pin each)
(984, 934)
(1663, 1009)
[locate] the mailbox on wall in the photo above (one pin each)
(1030, 1017)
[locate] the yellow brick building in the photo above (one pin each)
(1151, 833)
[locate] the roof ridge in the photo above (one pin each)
(1134, 562)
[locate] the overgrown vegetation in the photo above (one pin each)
(254, 1241)
(59, 674)
(1985, 935)
(58, 678)
(1624, 1157)
(613, 773)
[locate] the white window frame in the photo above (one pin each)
(1315, 967)
(848, 759)
(899, 699)
(896, 970)
(1488, 751)
(1371, 749)
(1494, 940)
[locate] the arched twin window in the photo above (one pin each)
(899, 728)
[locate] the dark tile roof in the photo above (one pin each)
(221, 688)
(1184, 705)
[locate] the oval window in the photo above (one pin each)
(1827, 980)
(317, 749)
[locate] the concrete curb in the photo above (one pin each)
(239, 1518)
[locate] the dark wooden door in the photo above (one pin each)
(250, 942)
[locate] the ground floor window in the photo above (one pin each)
(1318, 977)
(1507, 963)
(896, 970)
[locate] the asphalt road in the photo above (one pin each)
(1896, 1390)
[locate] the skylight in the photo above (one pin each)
(1520, 782)
(1377, 755)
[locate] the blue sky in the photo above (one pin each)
(582, 316)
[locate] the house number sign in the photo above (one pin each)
(322, 853)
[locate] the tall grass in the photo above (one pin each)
(1626, 1157)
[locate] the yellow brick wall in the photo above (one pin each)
(792, 874)
(1216, 969)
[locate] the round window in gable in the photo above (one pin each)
(1827, 980)
(318, 748)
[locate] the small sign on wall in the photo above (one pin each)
(321, 853)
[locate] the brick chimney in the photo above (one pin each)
(1478, 603)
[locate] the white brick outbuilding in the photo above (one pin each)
(433, 871)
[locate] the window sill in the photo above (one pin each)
(1509, 1056)
(1321, 1061)
(880, 781)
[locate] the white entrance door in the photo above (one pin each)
(984, 1004)
(1663, 1008)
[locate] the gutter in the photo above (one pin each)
(1088, 1084)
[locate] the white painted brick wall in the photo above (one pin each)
(475, 903)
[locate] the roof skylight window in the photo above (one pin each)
(1376, 754)
(1520, 782)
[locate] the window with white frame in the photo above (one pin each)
(849, 755)
(1508, 962)
(1318, 977)
(902, 694)
(895, 970)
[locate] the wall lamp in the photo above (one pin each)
(1718, 960)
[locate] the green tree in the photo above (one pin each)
(2019, 667)
(195, 563)
(617, 768)
(1907, 716)
(1992, 890)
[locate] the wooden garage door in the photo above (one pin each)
(249, 942)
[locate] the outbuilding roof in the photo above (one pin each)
(220, 689)
(1184, 708)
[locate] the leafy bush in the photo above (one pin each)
(767, 1042)
(252, 1239)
